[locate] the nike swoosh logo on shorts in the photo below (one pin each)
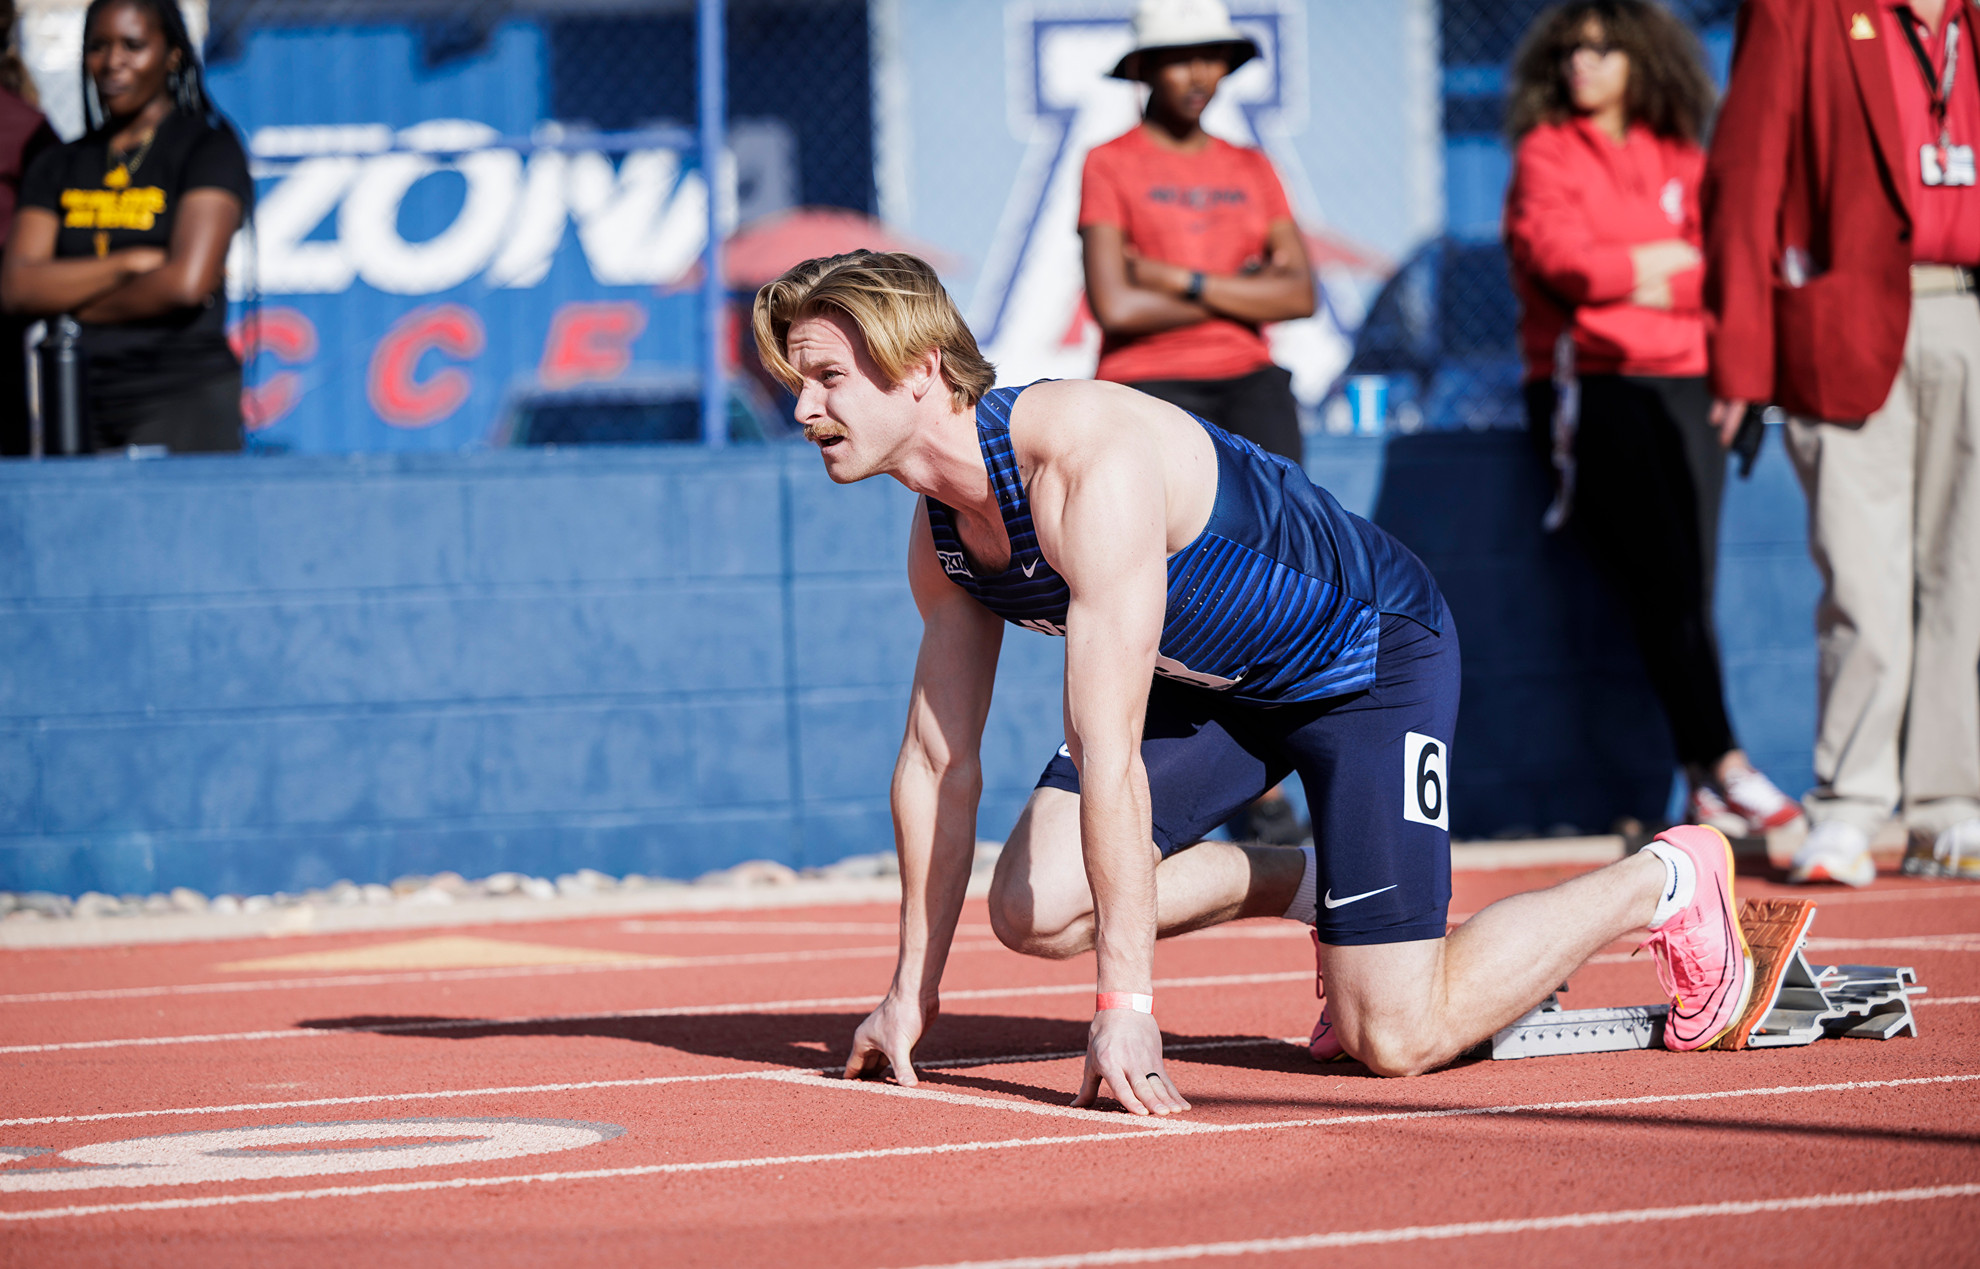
(1332, 902)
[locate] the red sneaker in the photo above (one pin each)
(1703, 961)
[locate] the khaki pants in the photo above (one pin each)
(1894, 526)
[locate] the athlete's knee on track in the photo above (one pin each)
(1396, 1048)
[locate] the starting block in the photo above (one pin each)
(1793, 1002)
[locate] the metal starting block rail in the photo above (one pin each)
(1793, 1002)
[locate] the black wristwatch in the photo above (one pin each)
(1194, 291)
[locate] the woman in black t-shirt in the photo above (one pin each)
(127, 229)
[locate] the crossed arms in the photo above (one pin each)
(126, 285)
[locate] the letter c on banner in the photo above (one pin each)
(402, 399)
(286, 335)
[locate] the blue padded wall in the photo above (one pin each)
(260, 674)
(1558, 728)
(255, 674)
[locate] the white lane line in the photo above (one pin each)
(1914, 942)
(676, 1011)
(941, 1064)
(949, 1097)
(633, 962)
(1472, 1229)
(593, 1174)
(367, 1099)
(1944, 1000)
(643, 925)
(1894, 896)
(1136, 1130)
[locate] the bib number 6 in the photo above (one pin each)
(1426, 788)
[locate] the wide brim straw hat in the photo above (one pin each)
(1160, 24)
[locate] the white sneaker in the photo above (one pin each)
(1754, 797)
(1954, 853)
(1834, 851)
(1709, 809)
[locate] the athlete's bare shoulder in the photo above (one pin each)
(1081, 420)
(1064, 430)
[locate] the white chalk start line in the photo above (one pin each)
(648, 1081)
(1136, 1129)
(674, 1011)
(1472, 1229)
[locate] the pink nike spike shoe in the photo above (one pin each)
(1323, 1044)
(1702, 957)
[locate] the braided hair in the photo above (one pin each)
(187, 84)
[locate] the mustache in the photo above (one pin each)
(815, 433)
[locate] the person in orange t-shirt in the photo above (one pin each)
(1190, 245)
(1603, 233)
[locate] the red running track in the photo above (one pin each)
(157, 1108)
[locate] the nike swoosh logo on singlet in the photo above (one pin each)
(1028, 569)
(1332, 902)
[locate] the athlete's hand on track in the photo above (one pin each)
(1124, 1051)
(887, 1038)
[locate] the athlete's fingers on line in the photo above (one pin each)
(1089, 1087)
(1172, 1095)
(865, 1062)
(1123, 1089)
(1157, 1094)
(903, 1066)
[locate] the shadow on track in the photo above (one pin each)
(806, 1040)
(810, 1041)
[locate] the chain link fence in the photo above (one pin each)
(473, 215)
(313, 84)
(799, 76)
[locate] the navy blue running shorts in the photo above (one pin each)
(1375, 763)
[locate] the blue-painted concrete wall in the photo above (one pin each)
(252, 674)
(256, 674)
(1558, 727)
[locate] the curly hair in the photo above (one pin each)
(896, 301)
(1669, 91)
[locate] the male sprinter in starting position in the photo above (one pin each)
(1225, 622)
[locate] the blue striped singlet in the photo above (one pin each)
(1279, 599)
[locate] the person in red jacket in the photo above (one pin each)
(1602, 230)
(1842, 228)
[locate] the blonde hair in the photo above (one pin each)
(899, 306)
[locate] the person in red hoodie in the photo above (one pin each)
(1603, 233)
